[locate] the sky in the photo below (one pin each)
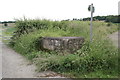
(55, 9)
(119, 8)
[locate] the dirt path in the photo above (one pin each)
(16, 66)
(114, 37)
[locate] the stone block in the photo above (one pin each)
(62, 44)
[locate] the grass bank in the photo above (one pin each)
(98, 59)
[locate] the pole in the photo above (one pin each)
(91, 23)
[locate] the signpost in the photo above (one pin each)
(91, 9)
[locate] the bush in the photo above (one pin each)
(5, 24)
(99, 55)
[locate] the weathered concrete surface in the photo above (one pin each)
(62, 44)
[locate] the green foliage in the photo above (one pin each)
(97, 56)
(87, 60)
(5, 24)
(114, 19)
(110, 18)
(25, 26)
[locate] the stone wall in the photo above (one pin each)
(62, 44)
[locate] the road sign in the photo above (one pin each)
(91, 8)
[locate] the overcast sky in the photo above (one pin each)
(55, 9)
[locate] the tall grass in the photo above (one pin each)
(99, 56)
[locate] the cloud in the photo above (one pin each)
(55, 9)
